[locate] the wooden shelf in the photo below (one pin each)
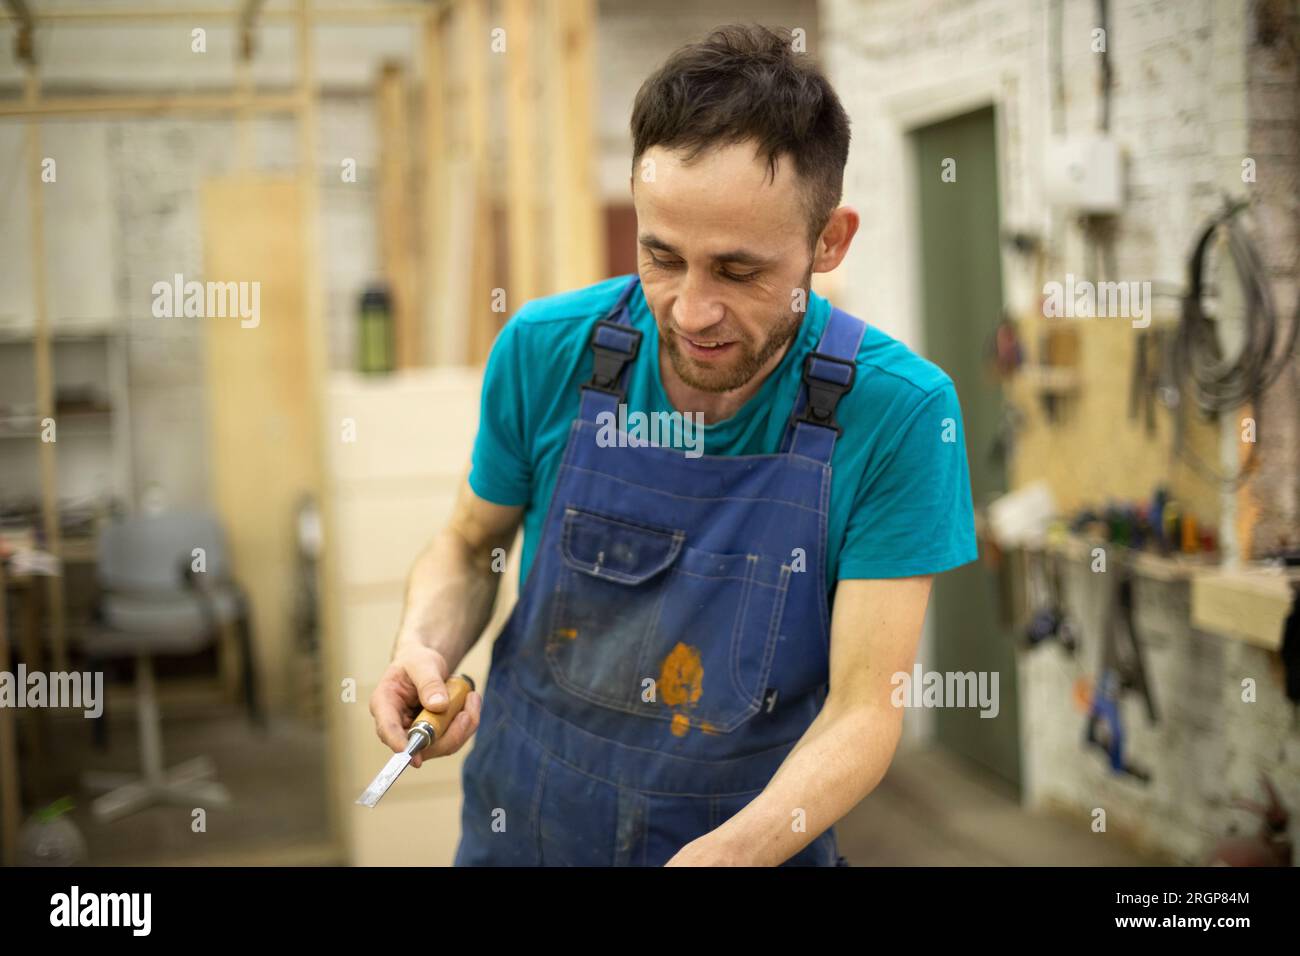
(61, 333)
(1148, 565)
(1250, 604)
(82, 423)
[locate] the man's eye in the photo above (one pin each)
(662, 264)
(739, 277)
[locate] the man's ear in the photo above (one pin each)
(835, 239)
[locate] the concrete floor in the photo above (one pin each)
(932, 809)
(276, 779)
(935, 808)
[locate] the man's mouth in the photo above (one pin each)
(706, 349)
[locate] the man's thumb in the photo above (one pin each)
(433, 692)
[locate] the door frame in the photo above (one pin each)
(908, 111)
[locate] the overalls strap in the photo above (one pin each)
(614, 344)
(828, 374)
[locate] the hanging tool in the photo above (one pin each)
(425, 729)
(1146, 378)
(1049, 618)
(1122, 668)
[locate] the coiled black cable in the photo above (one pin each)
(1218, 385)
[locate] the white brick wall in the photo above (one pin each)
(1186, 115)
(636, 37)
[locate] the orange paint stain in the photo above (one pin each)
(681, 681)
(569, 632)
(681, 678)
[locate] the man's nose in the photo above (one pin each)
(696, 308)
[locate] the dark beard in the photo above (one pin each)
(750, 362)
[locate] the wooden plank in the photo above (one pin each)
(482, 320)
(434, 183)
(261, 411)
(577, 252)
(456, 270)
(244, 115)
(153, 104)
(383, 519)
(395, 446)
(1250, 606)
(547, 132)
(396, 235)
(323, 432)
(1243, 507)
(521, 154)
(44, 374)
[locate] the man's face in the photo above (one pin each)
(724, 258)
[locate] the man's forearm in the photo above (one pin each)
(839, 760)
(449, 598)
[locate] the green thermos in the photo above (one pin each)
(375, 331)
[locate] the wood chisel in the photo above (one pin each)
(425, 729)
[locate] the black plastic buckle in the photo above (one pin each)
(608, 363)
(823, 396)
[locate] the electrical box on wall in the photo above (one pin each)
(1084, 174)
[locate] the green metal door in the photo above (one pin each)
(962, 302)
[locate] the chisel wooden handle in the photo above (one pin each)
(434, 724)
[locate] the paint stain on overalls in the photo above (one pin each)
(681, 681)
(664, 656)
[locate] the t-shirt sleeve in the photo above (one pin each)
(501, 467)
(913, 513)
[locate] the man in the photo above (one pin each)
(698, 670)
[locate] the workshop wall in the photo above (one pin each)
(1206, 750)
(150, 218)
(1270, 504)
(888, 58)
(154, 169)
(1198, 87)
(898, 65)
(150, 223)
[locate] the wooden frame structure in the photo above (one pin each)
(569, 43)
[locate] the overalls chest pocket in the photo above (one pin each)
(644, 623)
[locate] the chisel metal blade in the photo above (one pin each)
(379, 786)
(426, 727)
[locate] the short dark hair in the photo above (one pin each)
(745, 82)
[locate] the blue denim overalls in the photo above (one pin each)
(671, 642)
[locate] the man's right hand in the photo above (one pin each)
(415, 679)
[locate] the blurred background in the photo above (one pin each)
(254, 254)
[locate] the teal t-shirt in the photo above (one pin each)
(900, 488)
